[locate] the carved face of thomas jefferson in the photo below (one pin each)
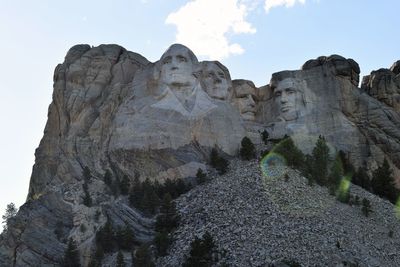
(216, 79)
(177, 66)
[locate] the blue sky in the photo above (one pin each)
(253, 38)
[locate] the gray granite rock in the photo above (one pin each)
(114, 110)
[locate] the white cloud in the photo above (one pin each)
(204, 26)
(275, 3)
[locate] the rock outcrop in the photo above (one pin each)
(114, 110)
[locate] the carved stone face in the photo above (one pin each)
(245, 100)
(288, 99)
(216, 81)
(177, 66)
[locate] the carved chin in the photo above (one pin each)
(289, 116)
(248, 116)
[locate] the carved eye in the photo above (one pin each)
(181, 59)
(221, 75)
(166, 60)
(210, 75)
(290, 91)
(277, 94)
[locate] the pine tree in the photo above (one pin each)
(247, 150)
(11, 211)
(362, 179)
(286, 148)
(264, 136)
(105, 237)
(218, 162)
(136, 193)
(383, 182)
(142, 257)
(71, 255)
(200, 176)
(108, 178)
(335, 175)
(124, 185)
(366, 207)
(320, 155)
(120, 259)
(201, 252)
(162, 242)
(87, 199)
(168, 218)
(87, 174)
(125, 238)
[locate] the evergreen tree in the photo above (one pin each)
(142, 257)
(168, 218)
(201, 252)
(108, 178)
(218, 162)
(247, 150)
(124, 185)
(120, 259)
(105, 237)
(264, 136)
(150, 201)
(335, 175)
(136, 193)
(11, 211)
(366, 207)
(362, 179)
(125, 238)
(162, 242)
(294, 157)
(200, 176)
(383, 182)
(320, 156)
(71, 255)
(87, 174)
(214, 157)
(307, 169)
(87, 199)
(348, 168)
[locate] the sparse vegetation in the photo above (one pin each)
(265, 136)
(202, 252)
(200, 176)
(142, 257)
(293, 156)
(11, 211)
(71, 255)
(366, 207)
(383, 183)
(218, 162)
(247, 150)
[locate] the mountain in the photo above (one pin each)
(117, 120)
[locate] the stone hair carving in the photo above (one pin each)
(216, 80)
(245, 98)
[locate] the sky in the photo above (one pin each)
(253, 38)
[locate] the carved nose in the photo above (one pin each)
(251, 100)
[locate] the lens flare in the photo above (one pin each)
(270, 165)
(344, 187)
(397, 208)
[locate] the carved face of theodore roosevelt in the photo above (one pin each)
(245, 98)
(288, 99)
(177, 66)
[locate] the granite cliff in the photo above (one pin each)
(114, 110)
